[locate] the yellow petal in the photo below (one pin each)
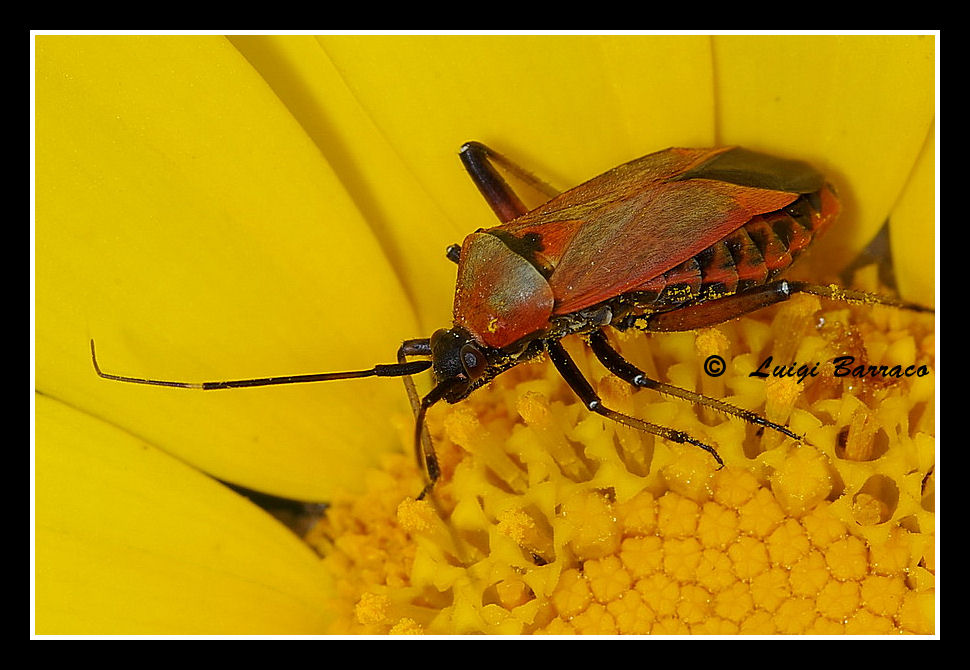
(186, 222)
(131, 541)
(912, 233)
(377, 178)
(564, 107)
(858, 107)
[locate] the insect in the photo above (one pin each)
(677, 240)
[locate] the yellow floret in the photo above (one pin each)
(660, 592)
(681, 557)
(670, 626)
(823, 527)
(572, 594)
(734, 603)
(847, 558)
(416, 516)
(718, 525)
(826, 626)
(642, 556)
(557, 627)
(788, 543)
(595, 620)
(372, 608)
(770, 589)
(695, 604)
(893, 556)
(513, 592)
(838, 600)
(809, 574)
(549, 519)
(677, 516)
(802, 481)
(917, 613)
(638, 515)
(760, 515)
(406, 627)
(883, 595)
(867, 623)
(733, 487)
(715, 572)
(781, 397)
(516, 525)
(631, 614)
(749, 557)
(690, 475)
(588, 522)
(795, 616)
(759, 623)
(608, 579)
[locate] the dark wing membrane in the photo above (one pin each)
(750, 168)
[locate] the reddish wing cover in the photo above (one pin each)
(627, 226)
(636, 240)
(500, 297)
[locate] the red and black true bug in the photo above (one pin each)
(677, 240)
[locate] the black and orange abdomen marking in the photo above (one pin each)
(750, 256)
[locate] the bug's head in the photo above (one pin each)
(457, 361)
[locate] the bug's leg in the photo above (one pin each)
(427, 461)
(879, 253)
(582, 388)
(834, 292)
(619, 366)
(480, 162)
(717, 311)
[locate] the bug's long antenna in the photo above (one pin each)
(393, 370)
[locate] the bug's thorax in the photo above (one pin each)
(500, 296)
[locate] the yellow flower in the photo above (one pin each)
(211, 208)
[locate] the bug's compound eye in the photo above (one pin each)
(473, 361)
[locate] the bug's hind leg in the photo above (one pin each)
(713, 312)
(619, 366)
(482, 164)
(481, 161)
(582, 388)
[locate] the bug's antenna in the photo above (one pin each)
(393, 370)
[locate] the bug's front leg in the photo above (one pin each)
(619, 366)
(582, 388)
(717, 311)
(428, 461)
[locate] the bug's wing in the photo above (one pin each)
(633, 241)
(633, 223)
